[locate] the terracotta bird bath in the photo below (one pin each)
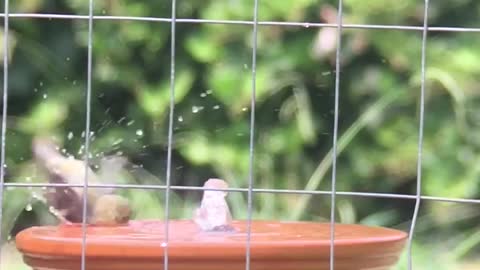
(275, 245)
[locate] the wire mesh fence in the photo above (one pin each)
(251, 188)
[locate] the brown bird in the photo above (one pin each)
(214, 214)
(66, 203)
(111, 209)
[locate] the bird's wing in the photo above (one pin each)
(64, 200)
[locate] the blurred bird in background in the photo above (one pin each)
(66, 203)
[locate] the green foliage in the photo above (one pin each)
(380, 84)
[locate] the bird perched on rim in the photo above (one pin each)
(213, 213)
(66, 203)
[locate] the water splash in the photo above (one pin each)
(118, 141)
(196, 109)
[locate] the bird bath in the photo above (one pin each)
(140, 244)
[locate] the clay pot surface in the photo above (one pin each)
(141, 245)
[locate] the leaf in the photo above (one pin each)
(155, 101)
(224, 80)
(232, 84)
(46, 115)
(17, 199)
(323, 167)
(202, 47)
(304, 115)
(198, 150)
(381, 218)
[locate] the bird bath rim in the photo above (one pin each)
(274, 245)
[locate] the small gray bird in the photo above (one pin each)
(214, 214)
(66, 203)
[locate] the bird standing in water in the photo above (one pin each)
(213, 213)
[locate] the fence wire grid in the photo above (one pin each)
(173, 20)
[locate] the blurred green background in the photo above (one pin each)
(378, 125)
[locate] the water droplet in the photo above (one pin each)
(44, 96)
(121, 119)
(68, 59)
(326, 73)
(40, 83)
(130, 123)
(196, 109)
(29, 207)
(64, 150)
(28, 179)
(208, 92)
(216, 107)
(244, 109)
(70, 135)
(139, 132)
(74, 82)
(118, 141)
(37, 197)
(35, 89)
(203, 95)
(83, 134)
(104, 11)
(180, 119)
(306, 25)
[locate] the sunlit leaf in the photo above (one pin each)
(48, 114)
(155, 101)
